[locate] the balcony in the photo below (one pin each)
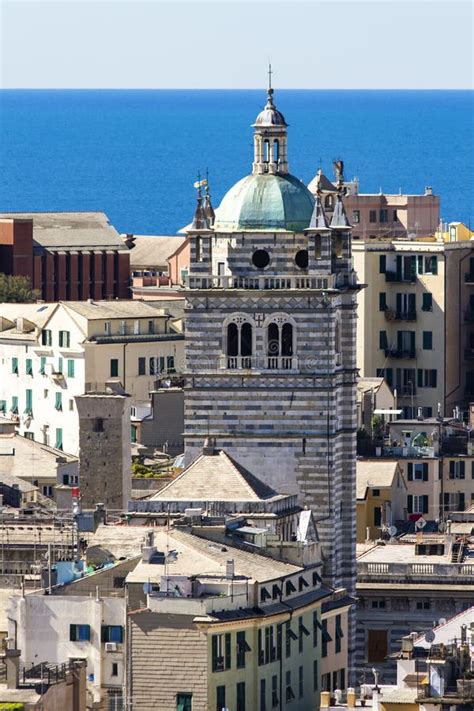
(415, 572)
(391, 315)
(399, 278)
(404, 353)
(469, 316)
(326, 281)
(408, 452)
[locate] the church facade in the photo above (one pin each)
(270, 340)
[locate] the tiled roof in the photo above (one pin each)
(216, 477)
(154, 250)
(125, 308)
(374, 474)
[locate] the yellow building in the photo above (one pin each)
(416, 318)
(381, 496)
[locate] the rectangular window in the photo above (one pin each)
(431, 265)
(377, 645)
(383, 264)
(151, 326)
(170, 364)
(29, 366)
(395, 216)
(123, 328)
(58, 404)
(427, 302)
(427, 340)
(14, 404)
(423, 605)
(263, 696)
(382, 301)
(289, 693)
(383, 215)
(46, 337)
(221, 652)
(302, 632)
(339, 634)
(136, 327)
(325, 638)
(3, 405)
(59, 438)
(114, 669)
(79, 633)
(64, 339)
(114, 367)
(315, 675)
(240, 696)
(142, 366)
(355, 217)
(108, 328)
(377, 517)
(71, 404)
(184, 702)
(457, 469)
(42, 365)
(373, 216)
(112, 633)
(220, 698)
(29, 402)
(60, 365)
(315, 629)
(383, 342)
(70, 368)
(275, 697)
(242, 648)
(15, 366)
(300, 682)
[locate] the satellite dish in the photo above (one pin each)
(393, 531)
(420, 523)
(442, 621)
(430, 636)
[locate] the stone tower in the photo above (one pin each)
(270, 340)
(104, 450)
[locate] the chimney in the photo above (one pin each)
(407, 647)
(230, 569)
(12, 664)
(420, 414)
(209, 447)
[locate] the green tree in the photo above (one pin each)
(16, 289)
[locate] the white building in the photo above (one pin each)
(49, 353)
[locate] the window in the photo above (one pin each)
(325, 638)
(302, 630)
(417, 504)
(220, 698)
(263, 695)
(46, 337)
(457, 469)
(64, 339)
(386, 373)
(339, 634)
(427, 378)
(300, 682)
(3, 405)
(315, 675)
(42, 369)
(377, 516)
(112, 633)
(221, 652)
(79, 633)
(427, 340)
(70, 368)
(59, 401)
(134, 433)
(60, 365)
(289, 635)
(170, 364)
(15, 366)
(289, 693)
(151, 326)
(377, 645)
(431, 265)
(108, 328)
(260, 259)
(423, 605)
(355, 217)
(427, 302)
(383, 264)
(315, 629)
(184, 702)
(378, 604)
(29, 366)
(98, 425)
(29, 402)
(317, 247)
(142, 366)
(47, 488)
(242, 648)
(240, 696)
(239, 344)
(383, 215)
(71, 404)
(114, 671)
(383, 341)
(136, 327)
(14, 407)
(373, 216)
(395, 216)
(302, 259)
(123, 328)
(59, 438)
(114, 367)
(275, 698)
(45, 393)
(382, 301)
(417, 471)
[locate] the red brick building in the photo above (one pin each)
(66, 255)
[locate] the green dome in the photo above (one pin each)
(265, 202)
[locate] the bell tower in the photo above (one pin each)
(270, 138)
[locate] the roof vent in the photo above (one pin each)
(209, 447)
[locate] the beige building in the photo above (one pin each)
(415, 316)
(50, 353)
(381, 497)
(374, 398)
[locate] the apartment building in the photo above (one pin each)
(51, 353)
(416, 317)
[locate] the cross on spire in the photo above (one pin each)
(270, 77)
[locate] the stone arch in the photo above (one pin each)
(280, 341)
(238, 340)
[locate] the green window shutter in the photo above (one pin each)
(383, 343)
(59, 401)
(59, 438)
(70, 368)
(3, 407)
(427, 302)
(15, 365)
(60, 365)
(73, 633)
(29, 402)
(114, 367)
(382, 301)
(42, 365)
(29, 366)
(15, 404)
(427, 340)
(420, 264)
(214, 652)
(382, 264)
(434, 265)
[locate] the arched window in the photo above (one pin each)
(317, 247)
(287, 340)
(246, 340)
(266, 151)
(338, 245)
(232, 340)
(273, 340)
(276, 150)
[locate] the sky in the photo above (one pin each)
(312, 44)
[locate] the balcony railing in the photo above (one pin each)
(400, 353)
(405, 390)
(410, 452)
(398, 277)
(265, 282)
(391, 315)
(407, 571)
(259, 363)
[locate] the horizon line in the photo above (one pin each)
(219, 88)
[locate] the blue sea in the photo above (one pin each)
(136, 154)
